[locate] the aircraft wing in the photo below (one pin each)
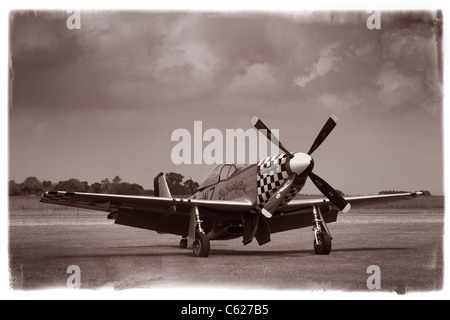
(355, 202)
(114, 202)
(169, 215)
(299, 214)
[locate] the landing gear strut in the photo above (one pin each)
(201, 243)
(322, 236)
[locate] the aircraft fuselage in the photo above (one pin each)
(257, 182)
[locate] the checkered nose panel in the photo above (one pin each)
(271, 174)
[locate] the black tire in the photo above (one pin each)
(201, 246)
(183, 243)
(324, 243)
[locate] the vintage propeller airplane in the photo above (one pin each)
(249, 201)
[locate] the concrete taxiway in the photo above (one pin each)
(407, 247)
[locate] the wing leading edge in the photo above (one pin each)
(355, 202)
(114, 202)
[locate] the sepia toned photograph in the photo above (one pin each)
(247, 150)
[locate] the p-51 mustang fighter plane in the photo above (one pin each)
(249, 201)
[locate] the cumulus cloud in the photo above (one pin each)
(195, 58)
(149, 59)
(409, 75)
(257, 80)
(328, 61)
(398, 89)
(393, 71)
(413, 47)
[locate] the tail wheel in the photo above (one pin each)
(323, 244)
(201, 246)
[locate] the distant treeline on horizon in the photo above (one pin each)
(33, 186)
(175, 181)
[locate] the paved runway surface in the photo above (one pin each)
(407, 247)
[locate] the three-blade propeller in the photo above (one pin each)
(327, 190)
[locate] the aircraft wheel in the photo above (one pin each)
(201, 246)
(183, 243)
(324, 243)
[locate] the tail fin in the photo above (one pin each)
(161, 187)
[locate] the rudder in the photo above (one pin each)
(161, 187)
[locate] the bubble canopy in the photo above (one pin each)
(219, 173)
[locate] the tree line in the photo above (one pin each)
(425, 192)
(176, 182)
(33, 186)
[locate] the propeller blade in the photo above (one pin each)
(276, 199)
(323, 134)
(330, 193)
(266, 131)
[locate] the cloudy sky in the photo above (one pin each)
(104, 100)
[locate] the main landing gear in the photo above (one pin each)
(197, 237)
(200, 246)
(322, 236)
